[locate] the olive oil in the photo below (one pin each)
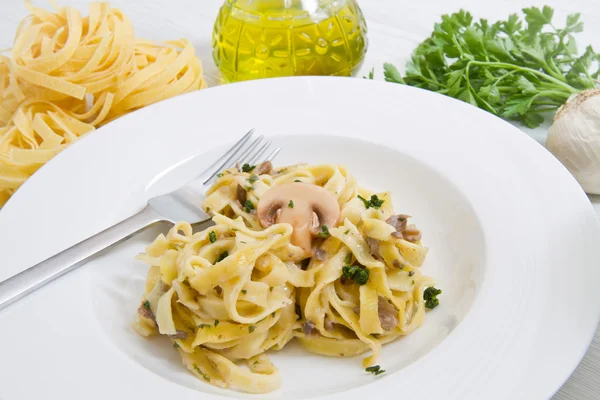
(270, 38)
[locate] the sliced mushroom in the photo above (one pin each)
(308, 328)
(388, 314)
(179, 335)
(147, 313)
(328, 324)
(319, 254)
(242, 195)
(264, 168)
(398, 221)
(412, 234)
(374, 247)
(313, 207)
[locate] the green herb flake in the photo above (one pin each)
(253, 178)
(244, 291)
(374, 201)
(216, 322)
(291, 204)
(375, 369)
(411, 273)
(175, 345)
(248, 206)
(324, 232)
(247, 167)
(298, 180)
(202, 374)
(202, 326)
(348, 259)
(222, 256)
(251, 328)
(430, 296)
(220, 175)
(357, 274)
(347, 232)
(413, 282)
(273, 314)
(147, 305)
(212, 236)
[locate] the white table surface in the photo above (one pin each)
(395, 29)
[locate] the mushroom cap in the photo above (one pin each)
(313, 207)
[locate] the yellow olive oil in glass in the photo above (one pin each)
(269, 38)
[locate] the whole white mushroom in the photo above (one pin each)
(574, 138)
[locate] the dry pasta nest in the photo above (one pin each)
(67, 74)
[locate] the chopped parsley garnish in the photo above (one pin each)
(411, 273)
(147, 305)
(375, 369)
(212, 236)
(202, 326)
(206, 378)
(273, 314)
(430, 296)
(413, 282)
(356, 273)
(247, 167)
(175, 345)
(347, 232)
(251, 328)
(298, 180)
(222, 256)
(253, 178)
(216, 322)
(244, 291)
(219, 175)
(248, 206)
(374, 202)
(324, 232)
(348, 258)
(291, 204)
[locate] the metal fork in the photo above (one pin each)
(182, 204)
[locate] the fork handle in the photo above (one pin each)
(31, 279)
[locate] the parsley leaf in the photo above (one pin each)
(291, 204)
(206, 378)
(430, 296)
(212, 236)
(251, 328)
(519, 69)
(375, 369)
(216, 322)
(374, 201)
(248, 168)
(324, 232)
(222, 256)
(147, 305)
(356, 273)
(248, 206)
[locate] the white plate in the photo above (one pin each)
(513, 239)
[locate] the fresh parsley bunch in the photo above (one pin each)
(512, 69)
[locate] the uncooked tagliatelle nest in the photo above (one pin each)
(67, 74)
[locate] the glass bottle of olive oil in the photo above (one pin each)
(269, 38)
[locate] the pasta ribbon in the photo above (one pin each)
(228, 294)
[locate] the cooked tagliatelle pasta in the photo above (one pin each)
(297, 252)
(68, 74)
